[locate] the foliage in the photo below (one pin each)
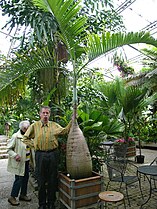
(96, 129)
(37, 27)
(90, 47)
(87, 47)
(41, 26)
(122, 66)
(145, 127)
(150, 59)
(146, 78)
(126, 103)
(101, 16)
(24, 109)
(36, 69)
(129, 141)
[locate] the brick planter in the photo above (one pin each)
(131, 151)
(79, 193)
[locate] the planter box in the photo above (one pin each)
(79, 193)
(131, 151)
(120, 151)
(124, 150)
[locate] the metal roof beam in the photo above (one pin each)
(124, 5)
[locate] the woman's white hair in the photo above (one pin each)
(24, 124)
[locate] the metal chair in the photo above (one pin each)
(123, 171)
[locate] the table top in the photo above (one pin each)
(107, 143)
(148, 170)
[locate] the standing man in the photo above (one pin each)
(44, 134)
(18, 164)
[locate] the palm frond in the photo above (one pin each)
(15, 75)
(11, 91)
(131, 99)
(97, 46)
(66, 13)
(144, 80)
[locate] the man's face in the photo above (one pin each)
(44, 115)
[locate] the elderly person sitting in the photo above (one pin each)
(18, 164)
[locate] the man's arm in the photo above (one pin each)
(61, 131)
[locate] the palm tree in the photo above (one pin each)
(83, 48)
(146, 78)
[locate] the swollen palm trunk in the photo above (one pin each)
(78, 158)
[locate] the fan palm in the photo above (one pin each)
(126, 103)
(132, 100)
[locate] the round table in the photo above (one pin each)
(147, 171)
(108, 144)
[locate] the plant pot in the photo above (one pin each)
(125, 150)
(81, 192)
(140, 158)
(120, 151)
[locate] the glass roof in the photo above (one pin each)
(138, 15)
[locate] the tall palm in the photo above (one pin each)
(91, 47)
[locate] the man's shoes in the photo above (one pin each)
(24, 198)
(42, 207)
(13, 201)
(51, 206)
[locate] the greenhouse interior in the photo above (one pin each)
(78, 104)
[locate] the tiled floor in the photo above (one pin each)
(6, 180)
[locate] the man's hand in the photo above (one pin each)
(18, 158)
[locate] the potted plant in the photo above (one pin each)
(131, 149)
(124, 147)
(132, 100)
(139, 127)
(120, 147)
(83, 48)
(140, 158)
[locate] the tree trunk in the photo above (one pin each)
(78, 158)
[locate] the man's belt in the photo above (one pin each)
(49, 150)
